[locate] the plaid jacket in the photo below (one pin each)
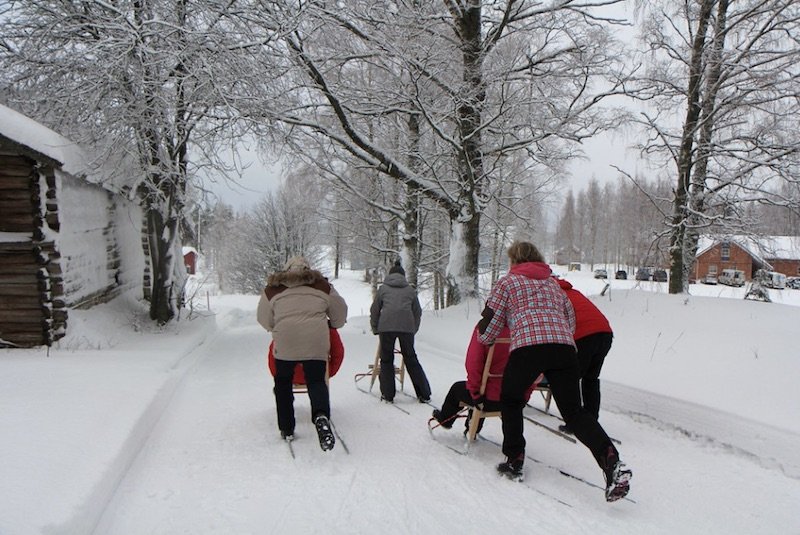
(533, 306)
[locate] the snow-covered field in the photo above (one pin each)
(125, 429)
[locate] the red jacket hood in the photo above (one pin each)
(532, 270)
(565, 285)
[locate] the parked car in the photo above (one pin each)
(600, 274)
(660, 275)
(771, 279)
(621, 274)
(643, 274)
(711, 278)
(732, 277)
(793, 282)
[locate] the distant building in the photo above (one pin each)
(568, 255)
(748, 254)
(190, 260)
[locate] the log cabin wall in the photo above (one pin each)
(133, 260)
(99, 243)
(23, 282)
(86, 241)
(64, 243)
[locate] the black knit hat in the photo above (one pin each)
(397, 268)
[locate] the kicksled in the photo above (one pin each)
(374, 370)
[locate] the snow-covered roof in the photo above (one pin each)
(186, 250)
(37, 137)
(761, 248)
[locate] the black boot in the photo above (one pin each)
(437, 414)
(512, 468)
(618, 476)
(326, 438)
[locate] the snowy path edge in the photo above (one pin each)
(87, 515)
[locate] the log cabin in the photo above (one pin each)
(68, 237)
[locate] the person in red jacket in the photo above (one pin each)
(593, 337)
(469, 391)
(542, 323)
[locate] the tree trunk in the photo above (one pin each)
(465, 226)
(163, 235)
(462, 269)
(698, 183)
(678, 239)
(411, 244)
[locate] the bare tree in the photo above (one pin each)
(284, 223)
(438, 95)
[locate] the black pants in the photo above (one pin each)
(458, 393)
(592, 351)
(314, 371)
(413, 367)
(559, 363)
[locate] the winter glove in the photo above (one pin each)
(478, 401)
(486, 316)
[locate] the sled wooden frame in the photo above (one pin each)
(478, 413)
(374, 369)
(547, 396)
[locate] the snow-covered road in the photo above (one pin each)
(214, 462)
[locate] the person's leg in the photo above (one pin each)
(314, 371)
(520, 372)
(386, 376)
(284, 398)
(457, 393)
(562, 371)
(563, 374)
(421, 386)
(592, 351)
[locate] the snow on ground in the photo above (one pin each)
(127, 429)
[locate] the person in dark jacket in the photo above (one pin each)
(396, 314)
(593, 337)
(542, 322)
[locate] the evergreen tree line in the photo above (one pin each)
(626, 224)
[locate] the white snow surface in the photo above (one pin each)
(129, 429)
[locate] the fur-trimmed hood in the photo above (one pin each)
(298, 306)
(277, 282)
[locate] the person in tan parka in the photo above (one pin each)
(298, 305)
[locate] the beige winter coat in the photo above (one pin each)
(298, 307)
